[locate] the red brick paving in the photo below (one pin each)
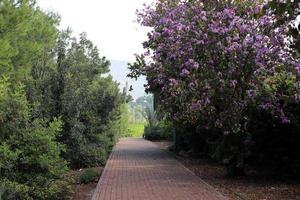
(139, 170)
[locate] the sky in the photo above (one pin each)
(109, 24)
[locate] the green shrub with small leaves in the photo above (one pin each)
(88, 176)
(30, 156)
(158, 131)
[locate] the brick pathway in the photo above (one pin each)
(139, 170)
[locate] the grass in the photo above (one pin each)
(136, 130)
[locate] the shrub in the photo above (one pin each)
(55, 105)
(54, 189)
(30, 164)
(88, 176)
(29, 155)
(59, 189)
(160, 131)
(89, 104)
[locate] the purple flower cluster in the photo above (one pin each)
(221, 62)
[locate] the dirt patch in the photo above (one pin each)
(83, 191)
(164, 145)
(251, 187)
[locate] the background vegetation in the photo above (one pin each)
(57, 109)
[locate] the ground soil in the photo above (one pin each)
(84, 191)
(251, 187)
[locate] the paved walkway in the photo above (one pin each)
(139, 170)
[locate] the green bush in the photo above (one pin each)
(88, 176)
(159, 131)
(89, 103)
(56, 108)
(30, 156)
(53, 189)
(31, 166)
(59, 189)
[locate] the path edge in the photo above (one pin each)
(219, 194)
(104, 171)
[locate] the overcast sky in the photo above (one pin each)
(108, 23)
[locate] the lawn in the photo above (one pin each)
(136, 130)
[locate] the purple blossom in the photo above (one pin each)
(192, 64)
(206, 101)
(266, 106)
(248, 40)
(168, 31)
(257, 9)
(192, 85)
(180, 27)
(173, 82)
(233, 83)
(283, 117)
(174, 116)
(285, 120)
(251, 93)
(298, 68)
(196, 106)
(233, 47)
(230, 13)
(204, 52)
(184, 73)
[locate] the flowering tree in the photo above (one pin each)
(288, 11)
(209, 66)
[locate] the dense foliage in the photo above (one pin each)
(162, 130)
(87, 102)
(288, 11)
(219, 66)
(57, 109)
(30, 162)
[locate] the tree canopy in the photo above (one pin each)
(218, 65)
(57, 110)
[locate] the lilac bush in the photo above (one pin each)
(209, 66)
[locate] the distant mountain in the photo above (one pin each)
(119, 70)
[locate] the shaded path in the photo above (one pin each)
(138, 170)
